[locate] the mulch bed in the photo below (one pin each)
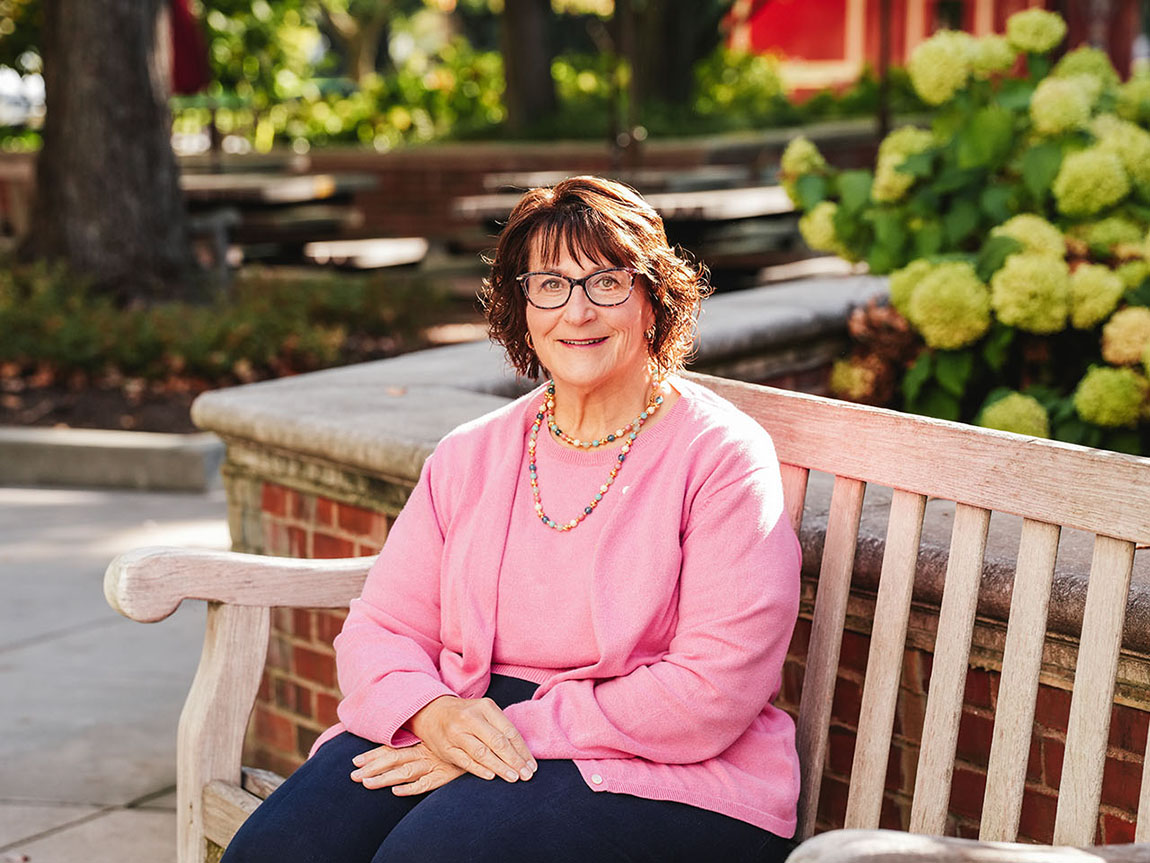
(95, 408)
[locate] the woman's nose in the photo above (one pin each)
(579, 307)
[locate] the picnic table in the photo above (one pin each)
(275, 215)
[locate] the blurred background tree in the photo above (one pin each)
(108, 201)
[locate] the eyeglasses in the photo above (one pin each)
(610, 287)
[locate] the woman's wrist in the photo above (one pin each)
(421, 716)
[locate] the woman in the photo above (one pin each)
(569, 645)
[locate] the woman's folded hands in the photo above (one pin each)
(457, 735)
(408, 770)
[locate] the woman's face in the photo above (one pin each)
(585, 346)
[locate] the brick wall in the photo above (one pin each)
(298, 694)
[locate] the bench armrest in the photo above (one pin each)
(148, 584)
(892, 846)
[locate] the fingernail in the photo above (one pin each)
(356, 775)
(526, 773)
(510, 775)
(489, 775)
(357, 761)
(533, 764)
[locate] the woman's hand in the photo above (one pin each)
(408, 771)
(474, 735)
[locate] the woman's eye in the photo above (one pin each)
(551, 285)
(606, 282)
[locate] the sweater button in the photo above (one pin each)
(596, 778)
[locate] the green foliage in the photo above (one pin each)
(21, 22)
(269, 327)
(1035, 188)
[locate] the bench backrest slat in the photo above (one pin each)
(795, 492)
(948, 671)
(1018, 686)
(885, 660)
(825, 643)
(1080, 790)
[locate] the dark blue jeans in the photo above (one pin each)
(319, 815)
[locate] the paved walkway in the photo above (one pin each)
(90, 700)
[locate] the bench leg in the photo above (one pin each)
(214, 719)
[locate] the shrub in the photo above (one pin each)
(270, 327)
(1035, 184)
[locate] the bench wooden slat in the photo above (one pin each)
(259, 782)
(825, 643)
(948, 671)
(210, 737)
(884, 661)
(794, 493)
(226, 807)
(1080, 790)
(1018, 686)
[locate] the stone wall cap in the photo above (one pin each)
(359, 415)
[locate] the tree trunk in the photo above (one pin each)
(530, 92)
(672, 36)
(107, 185)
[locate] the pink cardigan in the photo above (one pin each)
(699, 587)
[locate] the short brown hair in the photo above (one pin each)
(597, 220)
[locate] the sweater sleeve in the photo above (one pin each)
(387, 652)
(738, 601)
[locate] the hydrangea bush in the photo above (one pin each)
(1015, 233)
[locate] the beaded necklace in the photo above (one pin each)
(546, 414)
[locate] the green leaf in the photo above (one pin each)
(918, 164)
(997, 346)
(1015, 94)
(1127, 441)
(1093, 436)
(1037, 66)
(854, 189)
(812, 190)
(1141, 212)
(952, 370)
(928, 239)
(1039, 168)
(1139, 296)
(1060, 408)
(890, 236)
(939, 403)
(993, 255)
(916, 376)
(882, 259)
(960, 221)
(1072, 430)
(995, 203)
(952, 179)
(987, 139)
(888, 227)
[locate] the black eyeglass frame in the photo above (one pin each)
(571, 283)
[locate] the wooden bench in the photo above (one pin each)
(1050, 485)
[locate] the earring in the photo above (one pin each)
(650, 335)
(530, 344)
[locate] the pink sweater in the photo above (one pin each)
(694, 593)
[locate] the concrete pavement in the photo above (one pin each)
(90, 700)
